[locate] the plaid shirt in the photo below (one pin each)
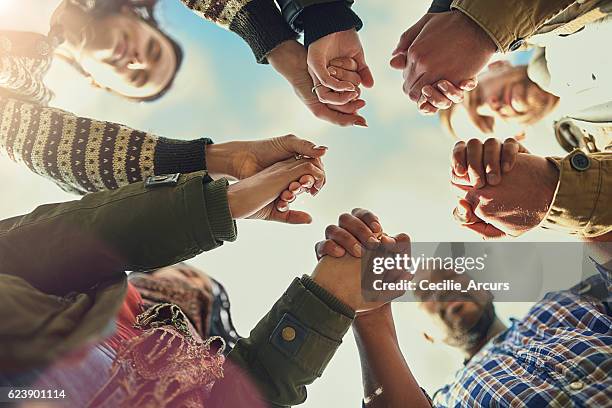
(559, 355)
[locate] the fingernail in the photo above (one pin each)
(361, 123)
(492, 178)
(373, 240)
(459, 169)
(309, 184)
(282, 209)
(426, 92)
(332, 71)
(357, 250)
(443, 86)
(376, 227)
(320, 148)
(470, 84)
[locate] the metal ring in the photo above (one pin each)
(314, 88)
(298, 156)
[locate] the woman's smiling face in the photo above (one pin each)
(126, 54)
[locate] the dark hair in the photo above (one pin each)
(144, 9)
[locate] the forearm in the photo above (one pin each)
(72, 246)
(85, 155)
(383, 364)
(287, 350)
(258, 22)
(510, 22)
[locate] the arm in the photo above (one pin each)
(258, 22)
(581, 203)
(509, 23)
(73, 246)
(86, 155)
(383, 364)
(287, 350)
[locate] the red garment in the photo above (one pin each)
(126, 318)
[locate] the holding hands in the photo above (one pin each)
(440, 56)
(495, 206)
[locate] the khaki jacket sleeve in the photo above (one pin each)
(59, 248)
(287, 350)
(582, 204)
(85, 155)
(509, 23)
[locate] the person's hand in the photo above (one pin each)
(477, 164)
(430, 51)
(342, 44)
(443, 94)
(353, 231)
(290, 60)
(516, 205)
(257, 197)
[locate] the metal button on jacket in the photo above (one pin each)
(576, 385)
(288, 333)
(516, 44)
(580, 161)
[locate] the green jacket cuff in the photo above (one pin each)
(222, 225)
(291, 346)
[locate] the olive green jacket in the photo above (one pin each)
(62, 280)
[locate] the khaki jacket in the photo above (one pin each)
(582, 201)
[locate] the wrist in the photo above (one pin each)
(219, 160)
(374, 319)
(484, 40)
(289, 60)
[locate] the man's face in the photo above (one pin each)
(505, 101)
(127, 55)
(464, 317)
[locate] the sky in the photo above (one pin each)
(398, 168)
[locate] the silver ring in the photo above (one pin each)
(298, 156)
(314, 88)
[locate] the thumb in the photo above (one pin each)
(296, 145)
(319, 67)
(291, 217)
(405, 41)
(367, 79)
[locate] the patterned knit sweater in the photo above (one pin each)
(85, 155)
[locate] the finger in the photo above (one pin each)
(475, 167)
(469, 84)
(345, 239)
(486, 231)
(306, 182)
(368, 218)
(449, 90)
(323, 112)
(399, 61)
(295, 145)
(287, 196)
(320, 70)
(363, 69)
(346, 63)
(329, 96)
(295, 187)
(403, 243)
(509, 153)
(294, 217)
(345, 75)
(308, 167)
(405, 41)
(349, 108)
(413, 90)
(492, 161)
(459, 160)
(356, 227)
(329, 247)
(436, 98)
(426, 108)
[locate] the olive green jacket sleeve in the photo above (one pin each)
(59, 248)
(287, 350)
(582, 204)
(510, 23)
(62, 267)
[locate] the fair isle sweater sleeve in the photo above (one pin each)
(258, 22)
(84, 155)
